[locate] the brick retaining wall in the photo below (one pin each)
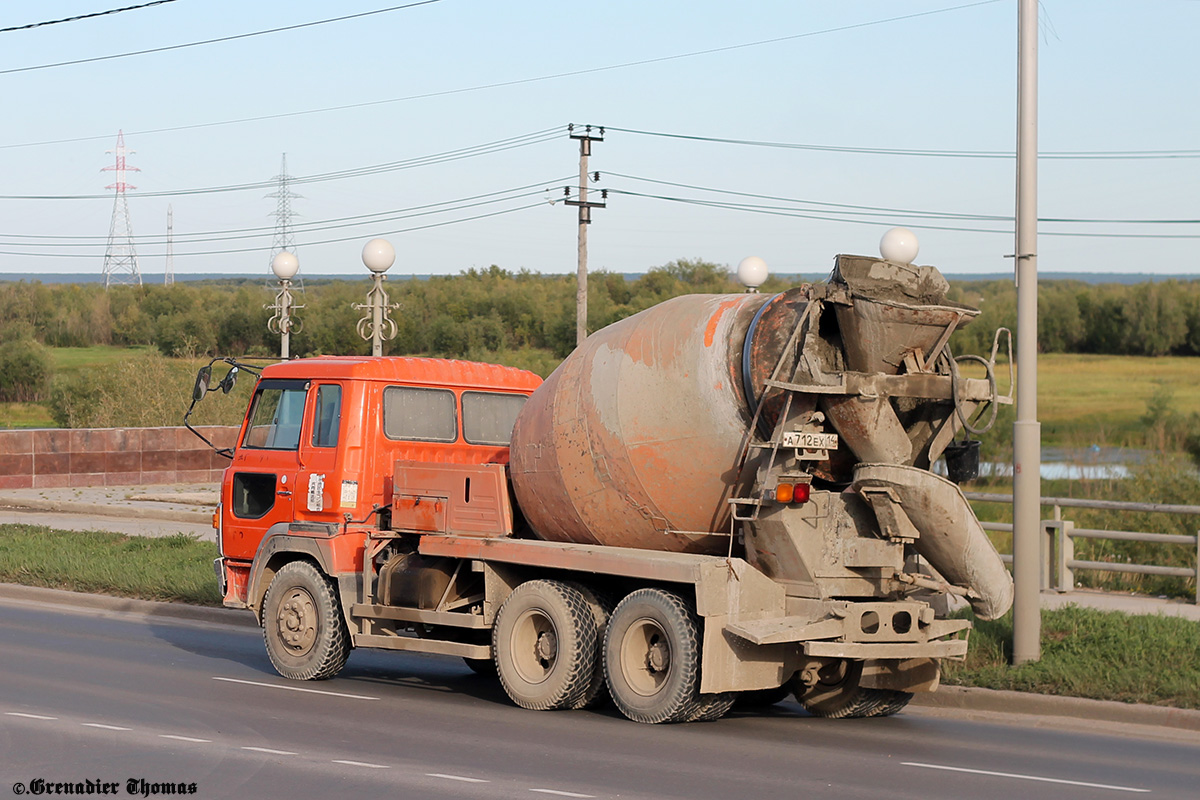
(54, 458)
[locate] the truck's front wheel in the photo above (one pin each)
(303, 628)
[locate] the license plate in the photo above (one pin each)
(810, 441)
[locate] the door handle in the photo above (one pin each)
(284, 493)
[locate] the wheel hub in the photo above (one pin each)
(547, 646)
(658, 658)
(296, 621)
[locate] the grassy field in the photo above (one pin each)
(68, 360)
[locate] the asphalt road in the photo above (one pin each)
(108, 697)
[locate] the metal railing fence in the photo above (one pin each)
(1058, 540)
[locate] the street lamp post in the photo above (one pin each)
(285, 265)
(378, 255)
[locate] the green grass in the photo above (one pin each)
(1095, 654)
(173, 568)
(25, 415)
(69, 360)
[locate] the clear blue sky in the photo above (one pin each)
(1114, 76)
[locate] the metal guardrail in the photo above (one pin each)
(1058, 535)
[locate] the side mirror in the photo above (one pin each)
(229, 381)
(201, 387)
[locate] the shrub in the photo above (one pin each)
(146, 392)
(24, 371)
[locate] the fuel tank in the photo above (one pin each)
(634, 440)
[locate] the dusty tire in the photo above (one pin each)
(890, 702)
(302, 622)
(714, 706)
(837, 694)
(544, 642)
(652, 657)
(601, 607)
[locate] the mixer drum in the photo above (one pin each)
(634, 440)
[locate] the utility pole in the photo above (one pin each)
(585, 218)
(169, 274)
(1027, 431)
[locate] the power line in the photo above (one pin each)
(519, 81)
(1103, 155)
(487, 148)
(908, 212)
(796, 213)
(83, 16)
(52, 240)
(214, 41)
(313, 243)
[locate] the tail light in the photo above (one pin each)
(792, 493)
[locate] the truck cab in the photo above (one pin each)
(321, 437)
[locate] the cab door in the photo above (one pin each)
(320, 491)
(261, 489)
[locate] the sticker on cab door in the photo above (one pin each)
(349, 494)
(316, 492)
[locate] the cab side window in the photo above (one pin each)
(327, 415)
(488, 417)
(421, 415)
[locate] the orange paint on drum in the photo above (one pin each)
(710, 331)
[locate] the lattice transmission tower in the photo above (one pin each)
(284, 238)
(120, 257)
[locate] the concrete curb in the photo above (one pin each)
(1007, 702)
(127, 605)
(959, 698)
(104, 510)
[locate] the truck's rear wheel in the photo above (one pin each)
(601, 606)
(890, 702)
(303, 628)
(545, 645)
(837, 694)
(652, 657)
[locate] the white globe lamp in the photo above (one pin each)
(752, 272)
(285, 265)
(379, 255)
(899, 245)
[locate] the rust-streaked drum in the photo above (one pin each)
(633, 441)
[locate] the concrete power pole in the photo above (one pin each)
(169, 274)
(1027, 431)
(585, 218)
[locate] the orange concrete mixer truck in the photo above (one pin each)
(720, 495)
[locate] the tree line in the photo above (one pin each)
(520, 317)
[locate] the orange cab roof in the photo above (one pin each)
(427, 371)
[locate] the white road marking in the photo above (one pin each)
(270, 751)
(295, 688)
(184, 738)
(1027, 777)
(561, 794)
(104, 727)
(26, 716)
(361, 764)
(455, 777)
